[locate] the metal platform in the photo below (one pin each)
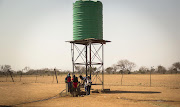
(87, 41)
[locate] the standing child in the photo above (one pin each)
(68, 81)
(88, 85)
(75, 81)
(83, 81)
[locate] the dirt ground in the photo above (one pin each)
(135, 91)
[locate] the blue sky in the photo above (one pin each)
(33, 32)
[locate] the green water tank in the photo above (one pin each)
(87, 20)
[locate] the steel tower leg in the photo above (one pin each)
(102, 66)
(90, 68)
(86, 62)
(72, 52)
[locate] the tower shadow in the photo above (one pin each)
(138, 92)
(120, 92)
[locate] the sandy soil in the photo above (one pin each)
(135, 91)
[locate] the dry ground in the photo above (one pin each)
(135, 91)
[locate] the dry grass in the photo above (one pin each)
(135, 91)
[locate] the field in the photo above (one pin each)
(134, 91)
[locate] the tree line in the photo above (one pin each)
(126, 67)
(121, 67)
(6, 70)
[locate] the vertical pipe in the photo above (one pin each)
(66, 88)
(90, 59)
(73, 58)
(102, 66)
(72, 52)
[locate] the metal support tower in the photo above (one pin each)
(89, 54)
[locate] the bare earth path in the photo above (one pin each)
(165, 92)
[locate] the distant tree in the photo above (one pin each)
(1, 67)
(161, 69)
(126, 65)
(80, 69)
(114, 70)
(1, 71)
(109, 70)
(5, 68)
(143, 70)
(176, 66)
(93, 69)
(26, 69)
(31, 72)
(19, 72)
(171, 70)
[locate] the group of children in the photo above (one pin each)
(73, 83)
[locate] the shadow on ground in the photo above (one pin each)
(5, 106)
(118, 91)
(123, 98)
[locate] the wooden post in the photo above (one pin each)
(121, 77)
(6, 76)
(56, 75)
(150, 78)
(53, 78)
(150, 74)
(11, 75)
(36, 76)
(20, 76)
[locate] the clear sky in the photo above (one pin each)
(33, 32)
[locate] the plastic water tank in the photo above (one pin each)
(87, 20)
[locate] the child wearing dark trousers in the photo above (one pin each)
(88, 85)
